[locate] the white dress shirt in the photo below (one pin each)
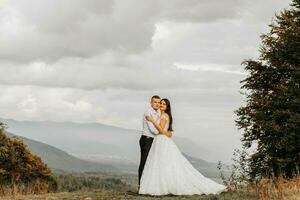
(148, 128)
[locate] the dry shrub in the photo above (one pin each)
(279, 188)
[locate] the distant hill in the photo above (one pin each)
(58, 159)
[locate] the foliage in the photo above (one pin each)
(239, 176)
(20, 170)
(271, 117)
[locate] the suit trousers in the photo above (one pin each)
(145, 145)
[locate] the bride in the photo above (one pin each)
(166, 170)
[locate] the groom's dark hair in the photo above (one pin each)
(155, 97)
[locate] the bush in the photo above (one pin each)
(20, 170)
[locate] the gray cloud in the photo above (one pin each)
(90, 75)
(47, 31)
(127, 44)
(200, 10)
(52, 30)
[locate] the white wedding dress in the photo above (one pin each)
(167, 171)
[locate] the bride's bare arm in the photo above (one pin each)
(160, 127)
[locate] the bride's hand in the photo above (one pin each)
(150, 118)
(169, 134)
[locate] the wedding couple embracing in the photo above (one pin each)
(163, 169)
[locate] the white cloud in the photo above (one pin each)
(209, 67)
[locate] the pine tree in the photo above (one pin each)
(271, 117)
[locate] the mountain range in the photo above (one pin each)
(83, 147)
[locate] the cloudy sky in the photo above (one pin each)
(101, 61)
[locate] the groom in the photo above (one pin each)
(149, 132)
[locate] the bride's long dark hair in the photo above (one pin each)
(168, 111)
